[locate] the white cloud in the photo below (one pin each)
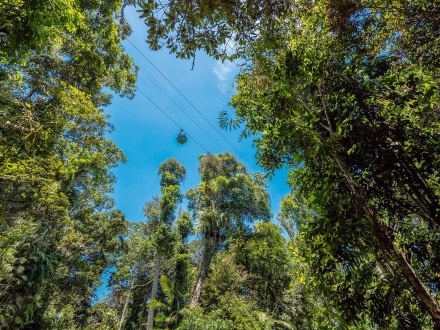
(224, 72)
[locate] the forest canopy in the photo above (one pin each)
(344, 94)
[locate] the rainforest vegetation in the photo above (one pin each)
(343, 93)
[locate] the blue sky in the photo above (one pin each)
(148, 137)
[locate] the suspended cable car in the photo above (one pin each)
(182, 138)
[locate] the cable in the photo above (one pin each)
(236, 150)
(177, 105)
(160, 109)
(185, 112)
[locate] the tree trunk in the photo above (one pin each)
(145, 302)
(154, 291)
(208, 253)
(385, 241)
(124, 310)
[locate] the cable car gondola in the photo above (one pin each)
(181, 138)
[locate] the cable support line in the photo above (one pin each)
(160, 109)
(186, 99)
(200, 113)
(215, 128)
(177, 105)
(149, 99)
(140, 91)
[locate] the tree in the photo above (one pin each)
(161, 219)
(29, 26)
(226, 199)
(343, 93)
(223, 29)
(265, 257)
(55, 159)
(331, 114)
(155, 249)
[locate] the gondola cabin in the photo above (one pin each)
(182, 138)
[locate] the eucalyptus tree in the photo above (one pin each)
(181, 279)
(128, 283)
(254, 266)
(176, 283)
(155, 249)
(265, 280)
(225, 201)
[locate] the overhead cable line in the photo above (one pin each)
(215, 128)
(177, 105)
(181, 94)
(169, 117)
(149, 99)
(271, 207)
(160, 109)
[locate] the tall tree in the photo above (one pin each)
(223, 29)
(55, 159)
(226, 199)
(337, 117)
(344, 93)
(172, 175)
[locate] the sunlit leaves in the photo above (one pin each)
(55, 158)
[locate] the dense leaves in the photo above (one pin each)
(223, 29)
(58, 230)
(345, 93)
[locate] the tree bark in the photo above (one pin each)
(208, 253)
(385, 241)
(145, 302)
(154, 291)
(124, 310)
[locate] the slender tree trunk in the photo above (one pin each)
(385, 241)
(145, 302)
(208, 253)
(124, 310)
(154, 291)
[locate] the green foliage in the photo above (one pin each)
(102, 317)
(227, 197)
(232, 312)
(168, 288)
(225, 201)
(222, 29)
(156, 252)
(197, 319)
(184, 225)
(31, 25)
(58, 230)
(343, 93)
(172, 173)
(226, 276)
(349, 121)
(265, 257)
